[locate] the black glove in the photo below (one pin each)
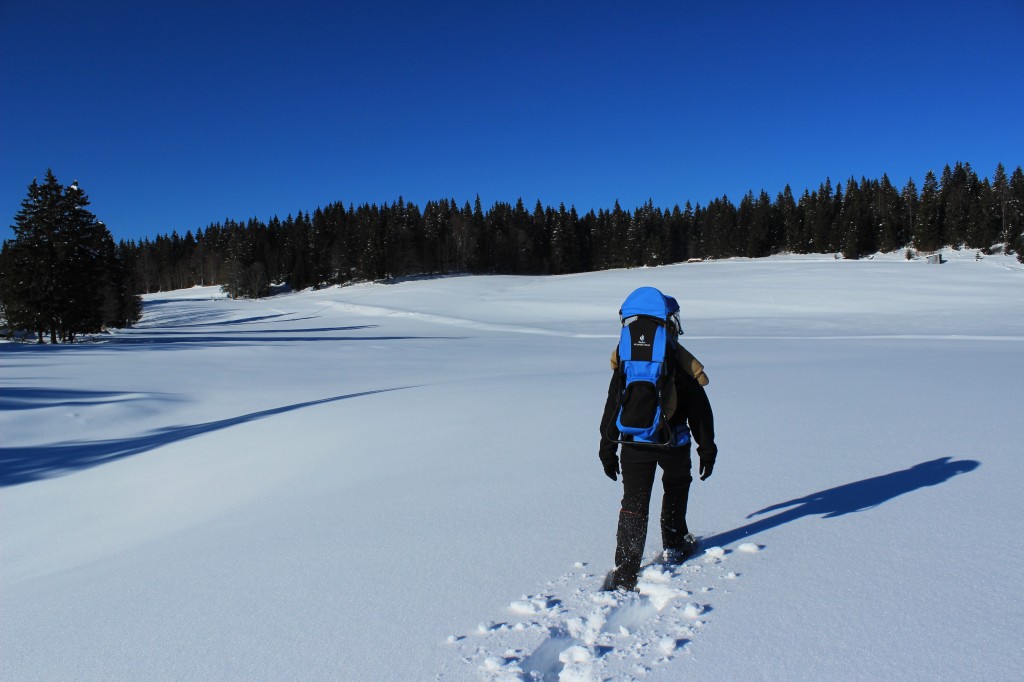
(611, 467)
(706, 467)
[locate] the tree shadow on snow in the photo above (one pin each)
(309, 330)
(183, 340)
(167, 342)
(848, 499)
(26, 398)
(26, 464)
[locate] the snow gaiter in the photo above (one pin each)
(673, 510)
(637, 479)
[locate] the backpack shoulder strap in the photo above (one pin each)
(691, 365)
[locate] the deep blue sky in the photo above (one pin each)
(176, 115)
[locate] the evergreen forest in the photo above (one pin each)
(63, 275)
(336, 244)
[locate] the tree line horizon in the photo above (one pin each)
(336, 244)
(63, 275)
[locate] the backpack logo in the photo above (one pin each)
(641, 342)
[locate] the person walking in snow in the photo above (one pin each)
(687, 412)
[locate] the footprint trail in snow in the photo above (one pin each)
(571, 631)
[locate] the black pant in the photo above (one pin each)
(639, 466)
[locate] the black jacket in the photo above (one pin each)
(692, 408)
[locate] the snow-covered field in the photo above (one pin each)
(400, 482)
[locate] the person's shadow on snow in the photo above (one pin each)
(849, 498)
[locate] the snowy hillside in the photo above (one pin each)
(401, 482)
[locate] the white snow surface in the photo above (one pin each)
(401, 482)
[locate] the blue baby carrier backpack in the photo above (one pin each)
(646, 354)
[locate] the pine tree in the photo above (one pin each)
(982, 223)
(927, 226)
(541, 237)
(523, 245)
(696, 235)
(949, 204)
(823, 219)
(746, 241)
(718, 228)
(690, 237)
(760, 233)
(801, 242)
(298, 269)
(855, 221)
(83, 276)
(564, 254)
(498, 223)
(121, 307)
(891, 236)
(619, 230)
(61, 266)
(31, 283)
(481, 259)
(1016, 212)
(437, 241)
(633, 246)
(835, 239)
(908, 215)
(956, 206)
(676, 226)
(789, 221)
(649, 242)
(235, 266)
(1001, 197)
(460, 235)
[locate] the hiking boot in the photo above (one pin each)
(677, 555)
(619, 580)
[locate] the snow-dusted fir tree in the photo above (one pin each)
(29, 287)
(59, 277)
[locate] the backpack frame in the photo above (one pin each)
(646, 365)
